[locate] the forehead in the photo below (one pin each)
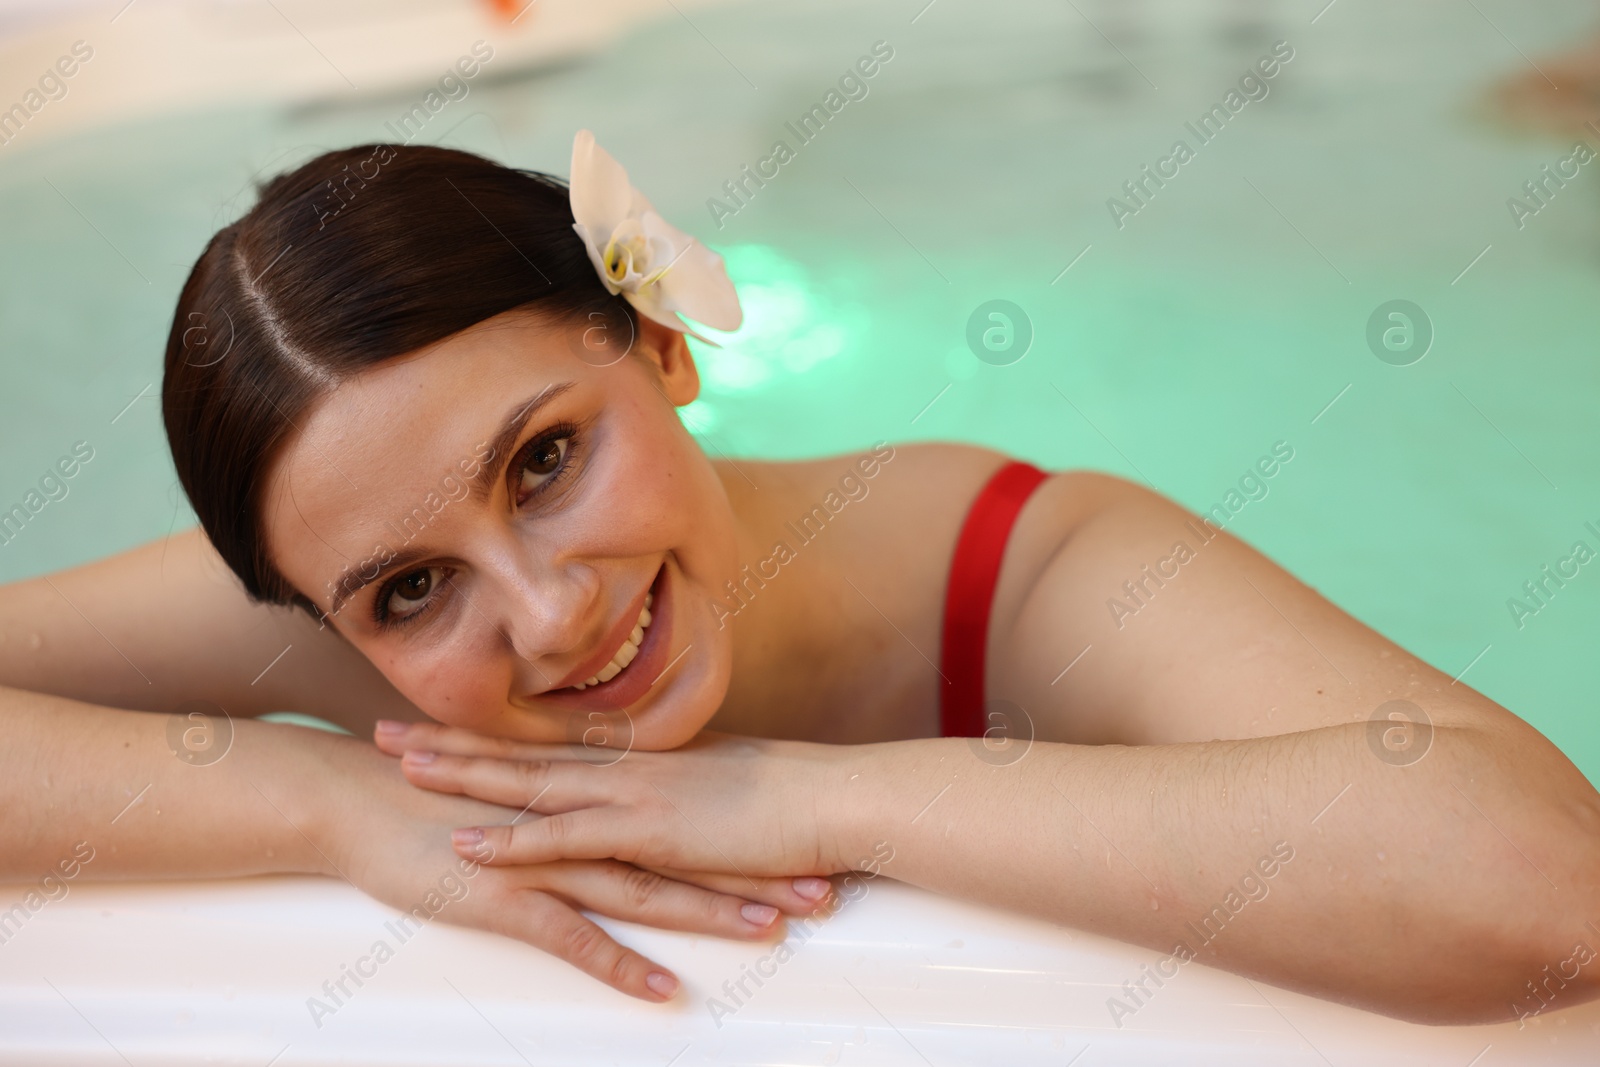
(370, 451)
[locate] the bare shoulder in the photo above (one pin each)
(919, 495)
(937, 476)
(930, 484)
(1122, 617)
(921, 464)
(940, 459)
(944, 478)
(893, 513)
(915, 497)
(1056, 512)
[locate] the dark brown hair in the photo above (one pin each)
(353, 258)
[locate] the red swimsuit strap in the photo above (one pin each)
(970, 594)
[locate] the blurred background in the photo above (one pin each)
(1444, 448)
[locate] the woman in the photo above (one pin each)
(431, 401)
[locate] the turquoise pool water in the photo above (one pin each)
(1227, 312)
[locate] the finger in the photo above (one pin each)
(792, 896)
(544, 786)
(624, 891)
(585, 834)
(550, 923)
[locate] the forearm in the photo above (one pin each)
(1432, 891)
(75, 772)
(166, 622)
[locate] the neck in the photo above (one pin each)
(801, 668)
(763, 608)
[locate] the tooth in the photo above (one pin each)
(627, 653)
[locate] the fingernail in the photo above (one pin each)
(417, 755)
(468, 836)
(812, 888)
(390, 726)
(760, 914)
(661, 983)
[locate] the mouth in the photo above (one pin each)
(635, 656)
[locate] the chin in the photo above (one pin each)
(689, 701)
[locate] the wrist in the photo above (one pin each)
(858, 792)
(311, 785)
(896, 801)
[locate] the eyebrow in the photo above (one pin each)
(350, 582)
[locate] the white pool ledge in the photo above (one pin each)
(221, 973)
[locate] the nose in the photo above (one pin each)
(544, 604)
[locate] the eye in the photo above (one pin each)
(538, 465)
(543, 459)
(404, 598)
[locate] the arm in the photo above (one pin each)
(1401, 898)
(1446, 864)
(1225, 747)
(98, 793)
(165, 623)
(72, 772)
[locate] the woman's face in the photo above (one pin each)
(484, 519)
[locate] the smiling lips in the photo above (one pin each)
(641, 637)
(625, 655)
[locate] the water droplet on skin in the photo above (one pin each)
(35, 642)
(1155, 905)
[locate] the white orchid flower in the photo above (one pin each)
(660, 270)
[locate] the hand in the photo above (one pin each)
(738, 805)
(393, 842)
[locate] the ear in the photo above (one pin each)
(668, 350)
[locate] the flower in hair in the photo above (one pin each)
(662, 271)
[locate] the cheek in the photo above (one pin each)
(652, 494)
(457, 688)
